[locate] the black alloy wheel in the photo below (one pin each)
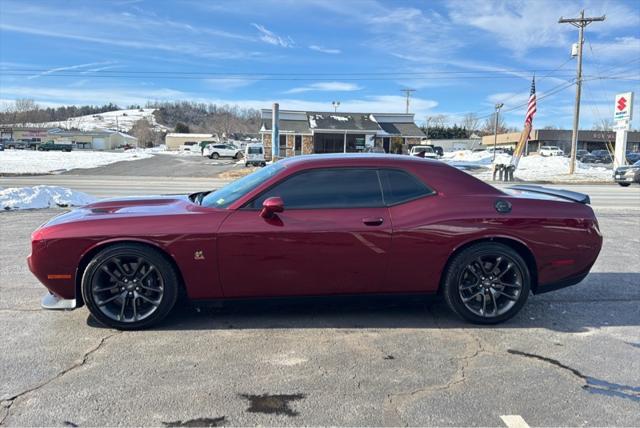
(487, 283)
(129, 286)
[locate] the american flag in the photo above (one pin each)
(528, 120)
(531, 107)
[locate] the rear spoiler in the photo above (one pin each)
(560, 193)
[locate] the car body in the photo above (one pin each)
(21, 144)
(423, 152)
(550, 151)
(580, 153)
(319, 225)
(374, 149)
(625, 175)
(222, 150)
(254, 155)
(190, 146)
(597, 156)
(56, 146)
(632, 157)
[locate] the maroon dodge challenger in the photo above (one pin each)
(320, 225)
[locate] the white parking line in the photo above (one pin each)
(514, 421)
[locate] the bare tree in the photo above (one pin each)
(143, 131)
(470, 122)
(603, 125)
(489, 125)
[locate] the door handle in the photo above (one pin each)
(373, 221)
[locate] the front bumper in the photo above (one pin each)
(53, 302)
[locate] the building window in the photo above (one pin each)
(283, 145)
(297, 147)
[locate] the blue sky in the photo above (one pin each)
(460, 56)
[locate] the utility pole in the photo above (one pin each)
(335, 105)
(495, 129)
(580, 23)
(407, 93)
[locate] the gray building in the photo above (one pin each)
(587, 140)
(303, 132)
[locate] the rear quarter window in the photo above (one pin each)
(400, 186)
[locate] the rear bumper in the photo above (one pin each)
(567, 282)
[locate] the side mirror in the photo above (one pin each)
(271, 206)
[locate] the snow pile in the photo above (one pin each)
(34, 162)
(23, 198)
(121, 120)
(340, 118)
(530, 168)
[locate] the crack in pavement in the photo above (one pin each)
(591, 384)
(9, 402)
(394, 401)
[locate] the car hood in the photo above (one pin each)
(627, 168)
(131, 207)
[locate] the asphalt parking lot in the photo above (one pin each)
(163, 165)
(571, 357)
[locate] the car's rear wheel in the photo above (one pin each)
(624, 184)
(129, 286)
(487, 283)
(214, 156)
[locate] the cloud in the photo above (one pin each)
(272, 38)
(623, 49)
(324, 50)
(521, 25)
(71, 67)
(326, 87)
(226, 84)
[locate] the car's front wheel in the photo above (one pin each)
(129, 286)
(487, 283)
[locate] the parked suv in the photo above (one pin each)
(215, 151)
(597, 156)
(551, 151)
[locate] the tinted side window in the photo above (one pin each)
(328, 188)
(400, 186)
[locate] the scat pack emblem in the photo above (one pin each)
(198, 255)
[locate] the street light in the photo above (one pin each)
(335, 105)
(495, 129)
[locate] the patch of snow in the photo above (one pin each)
(340, 118)
(34, 162)
(372, 118)
(530, 168)
(312, 122)
(121, 120)
(36, 197)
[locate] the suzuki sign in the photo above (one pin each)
(623, 106)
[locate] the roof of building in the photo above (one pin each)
(301, 122)
(188, 135)
(94, 133)
(294, 126)
(404, 129)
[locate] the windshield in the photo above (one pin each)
(230, 193)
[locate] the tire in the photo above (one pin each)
(625, 184)
(40, 149)
(214, 156)
(263, 164)
(488, 302)
(120, 304)
(246, 164)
